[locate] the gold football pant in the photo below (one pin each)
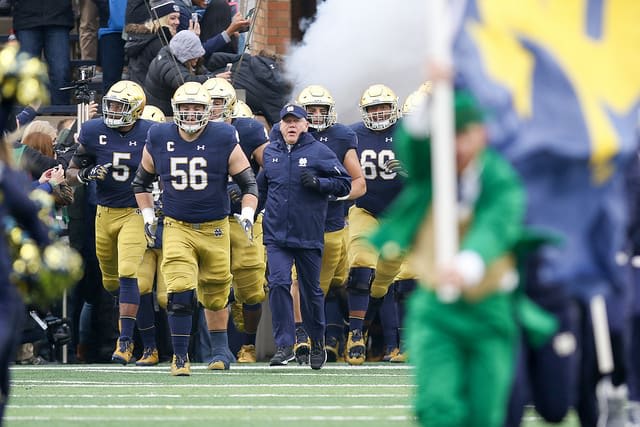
(247, 263)
(363, 254)
(196, 256)
(120, 244)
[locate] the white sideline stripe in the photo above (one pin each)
(307, 373)
(234, 367)
(205, 418)
(62, 383)
(208, 395)
(173, 406)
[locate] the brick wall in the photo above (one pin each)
(273, 26)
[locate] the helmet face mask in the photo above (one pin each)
(379, 107)
(123, 104)
(320, 107)
(223, 98)
(191, 107)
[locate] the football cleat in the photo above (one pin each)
(149, 357)
(400, 358)
(219, 365)
(123, 352)
(355, 353)
(302, 346)
(332, 348)
(317, 355)
(282, 357)
(247, 354)
(390, 353)
(180, 366)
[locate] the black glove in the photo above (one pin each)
(309, 180)
(394, 165)
(98, 172)
(234, 193)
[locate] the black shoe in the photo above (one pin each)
(318, 355)
(282, 357)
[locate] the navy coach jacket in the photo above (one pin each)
(294, 214)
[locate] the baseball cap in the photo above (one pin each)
(293, 110)
(467, 110)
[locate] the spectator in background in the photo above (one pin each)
(43, 26)
(220, 28)
(110, 41)
(88, 30)
(147, 35)
(174, 65)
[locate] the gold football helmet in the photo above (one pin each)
(153, 113)
(413, 101)
(381, 118)
(241, 109)
(426, 87)
(191, 120)
(220, 89)
(316, 95)
(123, 104)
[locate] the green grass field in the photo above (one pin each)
(258, 395)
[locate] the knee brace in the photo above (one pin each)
(180, 303)
(403, 289)
(360, 280)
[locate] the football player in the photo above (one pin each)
(247, 256)
(109, 153)
(368, 275)
(320, 107)
(149, 271)
(193, 174)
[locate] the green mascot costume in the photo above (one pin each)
(463, 351)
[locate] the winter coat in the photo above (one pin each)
(141, 47)
(165, 75)
(260, 76)
(29, 14)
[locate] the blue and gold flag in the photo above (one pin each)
(561, 83)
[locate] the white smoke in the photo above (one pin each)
(354, 44)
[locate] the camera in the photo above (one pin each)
(81, 86)
(58, 330)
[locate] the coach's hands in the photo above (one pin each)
(310, 180)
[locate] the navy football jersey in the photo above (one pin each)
(123, 150)
(252, 135)
(375, 148)
(193, 175)
(340, 139)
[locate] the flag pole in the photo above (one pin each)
(443, 140)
